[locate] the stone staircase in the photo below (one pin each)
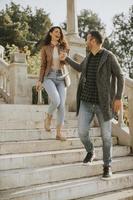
(35, 166)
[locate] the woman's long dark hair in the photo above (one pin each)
(62, 41)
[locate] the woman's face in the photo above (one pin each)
(55, 34)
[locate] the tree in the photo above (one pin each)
(87, 21)
(21, 27)
(122, 38)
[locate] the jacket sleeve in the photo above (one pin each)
(73, 64)
(43, 64)
(117, 71)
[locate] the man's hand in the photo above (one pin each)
(117, 105)
(62, 55)
(38, 86)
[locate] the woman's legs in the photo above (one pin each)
(53, 94)
(57, 93)
(61, 110)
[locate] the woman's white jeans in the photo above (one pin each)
(56, 91)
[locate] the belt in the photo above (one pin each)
(56, 70)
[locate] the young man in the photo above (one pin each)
(99, 92)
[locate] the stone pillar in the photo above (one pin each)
(18, 79)
(77, 46)
(72, 20)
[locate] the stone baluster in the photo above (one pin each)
(1, 82)
(4, 83)
(120, 118)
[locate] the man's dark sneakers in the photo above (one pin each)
(107, 173)
(89, 157)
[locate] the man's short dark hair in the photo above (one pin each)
(97, 35)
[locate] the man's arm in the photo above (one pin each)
(73, 64)
(117, 71)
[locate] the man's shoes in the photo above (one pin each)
(107, 173)
(89, 157)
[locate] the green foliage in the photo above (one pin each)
(19, 26)
(34, 64)
(88, 21)
(122, 40)
(33, 61)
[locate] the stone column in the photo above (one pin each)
(18, 79)
(77, 46)
(72, 20)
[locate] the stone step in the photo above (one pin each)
(27, 177)
(46, 145)
(35, 121)
(31, 117)
(41, 159)
(71, 189)
(12, 112)
(126, 194)
(40, 134)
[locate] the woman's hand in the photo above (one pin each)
(62, 55)
(38, 86)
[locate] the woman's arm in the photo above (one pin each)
(43, 64)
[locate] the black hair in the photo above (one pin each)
(98, 36)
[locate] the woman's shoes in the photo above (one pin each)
(60, 137)
(47, 122)
(47, 126)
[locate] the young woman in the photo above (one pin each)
(52, 79)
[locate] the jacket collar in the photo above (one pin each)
(105, 54)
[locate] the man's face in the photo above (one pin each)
(90, 42)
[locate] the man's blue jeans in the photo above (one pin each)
(86, 114)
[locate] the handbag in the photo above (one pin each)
(66, 76)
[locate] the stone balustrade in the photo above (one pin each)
(15, 84)
(4, 80)
(129, 93)
(124, 133)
